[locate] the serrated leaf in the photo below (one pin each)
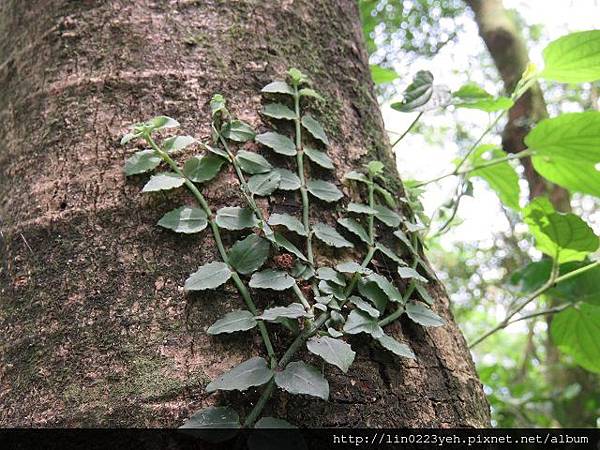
(208, 276)
(271, 279)
(292, 311)
(252, 163)
(184, 220)
(238, 131)
(386, 286)
(391, 344)
(360, 208)
(264, 183)
(278, 143)
(176, 143)
(236, 218)
(289, 180)
(281, 240)
(421, 314)
(315, 129)
(249, 254)
(203, 168)
(371, 291)
(360, 322)
(390, 253)
(278, 87)
(356, 228)
(324, 190)
(329, 274)
(214, 417)
(163, 182)
(253, 372)
(308, 92)
(300, 378)
(333, 351)
(141, 162)
(409, 272)
(573, 58)
(329, 236)
(290, 222)
(160, 122)
(387, 216)
(278, 111)
(352, 267)
(318, 157)
(364, 306)
(233, 321)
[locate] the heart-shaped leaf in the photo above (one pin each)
(360, 322)
(203, 168)
(289, 180)
(421, 314)
(300, 378)
(238, 131)
(333, 351)
(264, 183)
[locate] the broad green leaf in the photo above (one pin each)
(391, 344)
(278, 111)
(163, 182)
(184, 220)
(160, 122)
(502, 177)
(583, 288)
(281, 240)
(356, 228)
(360, 322)
(141, 162)
(278, 87)
(203, 168)
(324, 190)
(352, 267)
(576, 331)
(420, 313)
(233, 321)
(357, 176)
(471, 92)
(300, 378)
(567, 151)
(253, 372)
(292, 311)
(417, 94)
(302, 271)
(318, 157)
(387, 195)
(381, 75)
(414, 227)
(238, 131)
(271, 279)
(290, 222)
(315, 129)
(208, 276)
(249, 254)
(389, 253)
(328, 288)
(128, 137)
(333, 351)
(424, 293)
(214, 417)
(278, 143)
(334, 333)
(236, 218)
(308, 92)
(297, 76)
(386, 286)
(264, 183)
(252, 163)
(409, 272)
(371, 291)
(474, 97)
(364, 306)
(217, 151)
(375, 168)
(361, 208)
(176, 143)
(330, 236)
(289, 180)
(574, 58)
(329, 274)
(387, 216)
(404, 238)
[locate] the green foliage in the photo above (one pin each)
(473, 96)
(300, 378)
(574, 58)
(333, 351)
(253, 372)
(208, 276)
(184, 220)
(233, 321)
(249, 254)
(381, 75)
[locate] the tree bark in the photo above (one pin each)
(96, 327)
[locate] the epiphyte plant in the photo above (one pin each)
(344, 297)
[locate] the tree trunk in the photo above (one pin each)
(96, 327)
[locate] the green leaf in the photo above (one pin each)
(329, 236)
(333, 351)
(287, 245)
(375, 168)
(386, 286)
(278, 87)
(289, 180)
(334, 333)
(217, 151)
(128, 137)
(352, 267)
(297, 76)
(239, 320)
(278, 143)
(474, 97)
(328, 288)
(387, 216)
(217, 104)
(357, 176)
(184, 220)
(364, 306)
(502, 177)
(163, 182)
(567, 151)
(290, 222)
(300, 378)
(318, 157)
(389, 253)
(176, 143)
(360, 208)
(302, 271)
(417, 94)
(328, 274)
(391, 344)
(421, 314)
(387, 196)
(382, 75)
(576, 331)
(208, 276)
(307, 92)
(292, 311)
(574, 58)
(360, 322)
(271, 279)
(404, 238)
(324, 190)
(356, 228)
(214, 417)
(141, 162)
(160, 122)
(315, 129)
(424, 293)
(409, 272)
(203, 168)
(252, 163)
(279, 111)
(238, 131)
(371, 291)
(236, 218)
(249, 254)
(564, 237)
(253, 372)
(264, 183)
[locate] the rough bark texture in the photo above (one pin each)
(96, 328)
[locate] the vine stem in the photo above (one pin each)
(410, 127)
(241, 287)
